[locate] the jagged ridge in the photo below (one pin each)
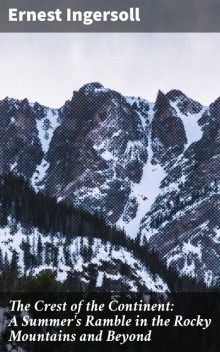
(151, 168)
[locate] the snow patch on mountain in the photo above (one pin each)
(13, 166)
(216, 237)
(46, 127)
(82, 254)
(190, 122)
(38, 176)
(146, 191)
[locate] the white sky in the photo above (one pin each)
(48, 67)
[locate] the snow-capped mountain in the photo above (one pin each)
(150, 168)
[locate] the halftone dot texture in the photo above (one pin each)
(92, 157)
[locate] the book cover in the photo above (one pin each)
(109, 176)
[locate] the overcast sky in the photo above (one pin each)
(48, 67)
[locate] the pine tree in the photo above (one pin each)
(39, 251)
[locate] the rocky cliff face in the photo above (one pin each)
(97, 152)
(19, 143)
(150, 168)
(168, 133)
(25, 133)
(183, 222)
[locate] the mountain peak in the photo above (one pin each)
(162, 102)
(175, 94)
(147, 167)
(216, 103)
(90, 87)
